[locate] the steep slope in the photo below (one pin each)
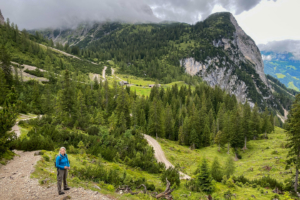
(216, 49)
(239, 69)
(81, 35)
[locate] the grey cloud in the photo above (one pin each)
(56, 13)
(292, 46)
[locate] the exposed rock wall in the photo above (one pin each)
(218, 71)
(249, 49)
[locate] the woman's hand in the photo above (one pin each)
(65, 167)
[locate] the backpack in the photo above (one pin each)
(59, 159)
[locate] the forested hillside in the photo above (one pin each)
(161, 52)
(102, 120)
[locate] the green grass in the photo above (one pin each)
(4, 158)
(292, 86)
(279, 75)
(46, 170)
(25, 116)
(258, 155)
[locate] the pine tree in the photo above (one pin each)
(155, 125)
(293, 133)
(216, 170)
(169, 123)
(3, 87)
(246, 122)
(5, 59)
(229, 167)
(206, 135)
(8, 116)
(194, 140)
(204, 180)
(255, 122)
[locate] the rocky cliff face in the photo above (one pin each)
(249, 49)
(241, 57)
(2, 21)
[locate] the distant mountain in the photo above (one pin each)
(81, 35)
(217, 49)
(283, 66)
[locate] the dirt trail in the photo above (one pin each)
(16, 184)
(160, 156)
(66, 54)
(103, 73)
(113, 73)
(16, 127)
(26, 76)
(15, 181)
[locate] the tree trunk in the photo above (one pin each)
(245, 147)
(265, 135)
(296, 180)
(228, 148)
(219, 147)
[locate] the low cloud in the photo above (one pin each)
(292, 46)
(32, 14)
(268, 57)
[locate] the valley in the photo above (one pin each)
(145, 111)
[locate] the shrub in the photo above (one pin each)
(110, 187)
(172, 174)
(46, 158)
(93, 130)
(230, 183)
(76, 180)
(150, 186)
(274, 152)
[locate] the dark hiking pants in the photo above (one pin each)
(61, 176)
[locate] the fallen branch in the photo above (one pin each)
(167, 193)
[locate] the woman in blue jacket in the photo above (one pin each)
(62, 164)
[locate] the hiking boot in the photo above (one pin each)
(61, 193)
(67, 189)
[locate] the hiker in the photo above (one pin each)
(62, 164)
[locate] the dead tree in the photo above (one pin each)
(127, 189)
(167, 193)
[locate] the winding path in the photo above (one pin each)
(103, 73)
(160, 155)
(16, 184)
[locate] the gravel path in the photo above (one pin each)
(16, 184)
(16, 127)
(160, 156)
(103, 73)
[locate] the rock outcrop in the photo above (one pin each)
(249, 49)
(2, 21)
(241, 54)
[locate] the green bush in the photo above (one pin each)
(46, 158)
(173, 176)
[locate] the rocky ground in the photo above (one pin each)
(15, 182)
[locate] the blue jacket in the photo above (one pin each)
(62, 161)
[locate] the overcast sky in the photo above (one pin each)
(263, 20)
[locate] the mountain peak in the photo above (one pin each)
(1, 18)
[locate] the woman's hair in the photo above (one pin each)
(62, 148)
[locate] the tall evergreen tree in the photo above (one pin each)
(293, 133)
(246, 122)
(5, 59)
(204, 180)
(216, 170)
(229, 167)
